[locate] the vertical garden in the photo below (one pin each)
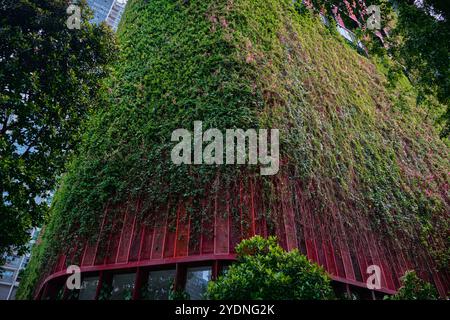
(353, 144)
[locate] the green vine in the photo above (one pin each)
(356, 141)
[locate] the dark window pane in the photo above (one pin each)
(123, 286)
(197, 281)
(158, 285)
(88, 288)
(224, 270)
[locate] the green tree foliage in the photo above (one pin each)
(49, 80)
(419, 40)
(264, 271)
(414, 288)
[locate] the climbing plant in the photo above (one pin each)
(358, 145)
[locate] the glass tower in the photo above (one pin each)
(109, 11)
(101, 9)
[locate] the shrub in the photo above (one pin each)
(414, 288)
(265, 271)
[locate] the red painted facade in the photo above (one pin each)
(125, 241)
(344, 248)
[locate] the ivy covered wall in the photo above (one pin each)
(351, 139)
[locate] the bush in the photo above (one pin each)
(414, 288)
(265, 271)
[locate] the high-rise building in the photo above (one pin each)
(101, 9)
(357, 177)
(115, 13)
(10, 272)
(109, 11)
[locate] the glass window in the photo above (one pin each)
(6, 276)
(12, 261)
(123, 286)
(158, 285)
(13, 294)
(197, 281)
(4, 292)
(88, 288)
(224, 270)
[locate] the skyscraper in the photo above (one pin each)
(115, 13)
(109, 11)
(101, 9)
(10, 272)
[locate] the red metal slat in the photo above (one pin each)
(89, 254)
(361, 256)
(101, 243)
(299, 220)
(136, 237)
(195, 226)
(336, 243)
(137, 241)
(114, 240)
(328, 249)
(395, 267)
(207, 234)
(182, 236)
(221, 225)
(288, 214)
(245, 210)
(318, 239)
(345, 253)
(61, 262)
(309, 234)
(159, 235)
(147, 242)
(169, 240)
(258, 209)
(252, 206)
(387, 267)
(377, 259)
(127, 233)
(234, 221)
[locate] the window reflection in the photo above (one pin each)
(158, 285)
(123, 286)
(88, 288)
(197, 282)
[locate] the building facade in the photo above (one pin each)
(174, 247)
(109, 11)
(10, 272)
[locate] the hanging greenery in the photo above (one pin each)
(356, 141)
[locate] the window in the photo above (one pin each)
(197, 281)
(12, 261)
(6, 276)
(158, 285)
(88, 288)
(224, 270)
(123, 286)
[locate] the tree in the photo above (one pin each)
(50, 77)
(414, 288)
(265, 271)
(419, 40)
